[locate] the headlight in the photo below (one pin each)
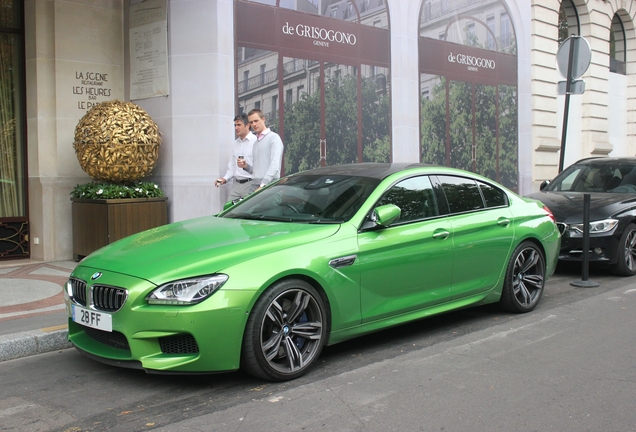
(597, 227)
(187, 291)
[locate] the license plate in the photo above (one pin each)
(93, 319)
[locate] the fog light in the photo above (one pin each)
(598, 251)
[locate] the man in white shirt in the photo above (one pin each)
(241, 151)
(267, 152)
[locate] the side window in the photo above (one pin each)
(494, 197)
(568, 182)
(414, 196)
(462, 194)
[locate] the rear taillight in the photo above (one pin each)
(550, 215)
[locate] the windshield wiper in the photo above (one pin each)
(324, 221)
(260, 217)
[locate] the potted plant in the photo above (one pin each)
(117, 144)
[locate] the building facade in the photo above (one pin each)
(464, 83)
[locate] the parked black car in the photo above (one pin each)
(611, 183)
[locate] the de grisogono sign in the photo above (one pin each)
(472, 63)
(320, 36)
(466, 63)
(302, 35)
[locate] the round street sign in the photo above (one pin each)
(581, 58)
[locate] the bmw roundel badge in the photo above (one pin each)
(96, 275)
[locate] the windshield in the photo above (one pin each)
(307, 198)
(618, 178)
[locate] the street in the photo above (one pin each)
(570, 365)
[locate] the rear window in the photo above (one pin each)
(462, 194)
(493, 196)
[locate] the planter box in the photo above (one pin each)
(97, 223)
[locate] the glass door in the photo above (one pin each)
(14, 238)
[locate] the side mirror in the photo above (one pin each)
(544, 184)
(385, 215)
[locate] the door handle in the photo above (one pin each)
(503, 222)
(441, 235)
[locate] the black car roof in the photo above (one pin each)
(606, 160)
(366, 169)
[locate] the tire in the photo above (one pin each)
(626, 263)
(285, 332)
(525, 279)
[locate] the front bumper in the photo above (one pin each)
(603, 248)
(201, 338)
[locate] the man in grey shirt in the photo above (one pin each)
(267, 152)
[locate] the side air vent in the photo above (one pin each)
(343, 262)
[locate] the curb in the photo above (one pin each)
(33, 342)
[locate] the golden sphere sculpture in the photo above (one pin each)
(117, 142)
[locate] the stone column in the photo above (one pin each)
(74, 58)
(595, 111)
(196, 119)
(545, 129)
(405, 87)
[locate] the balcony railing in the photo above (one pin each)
(271, 76)
(442, 8)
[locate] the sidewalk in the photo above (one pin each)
(32, 312)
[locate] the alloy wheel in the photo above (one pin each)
(291, 331)
(528, 276)
(630, 251)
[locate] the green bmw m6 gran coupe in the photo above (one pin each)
(314, 259)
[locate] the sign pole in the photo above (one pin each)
(566, 108)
